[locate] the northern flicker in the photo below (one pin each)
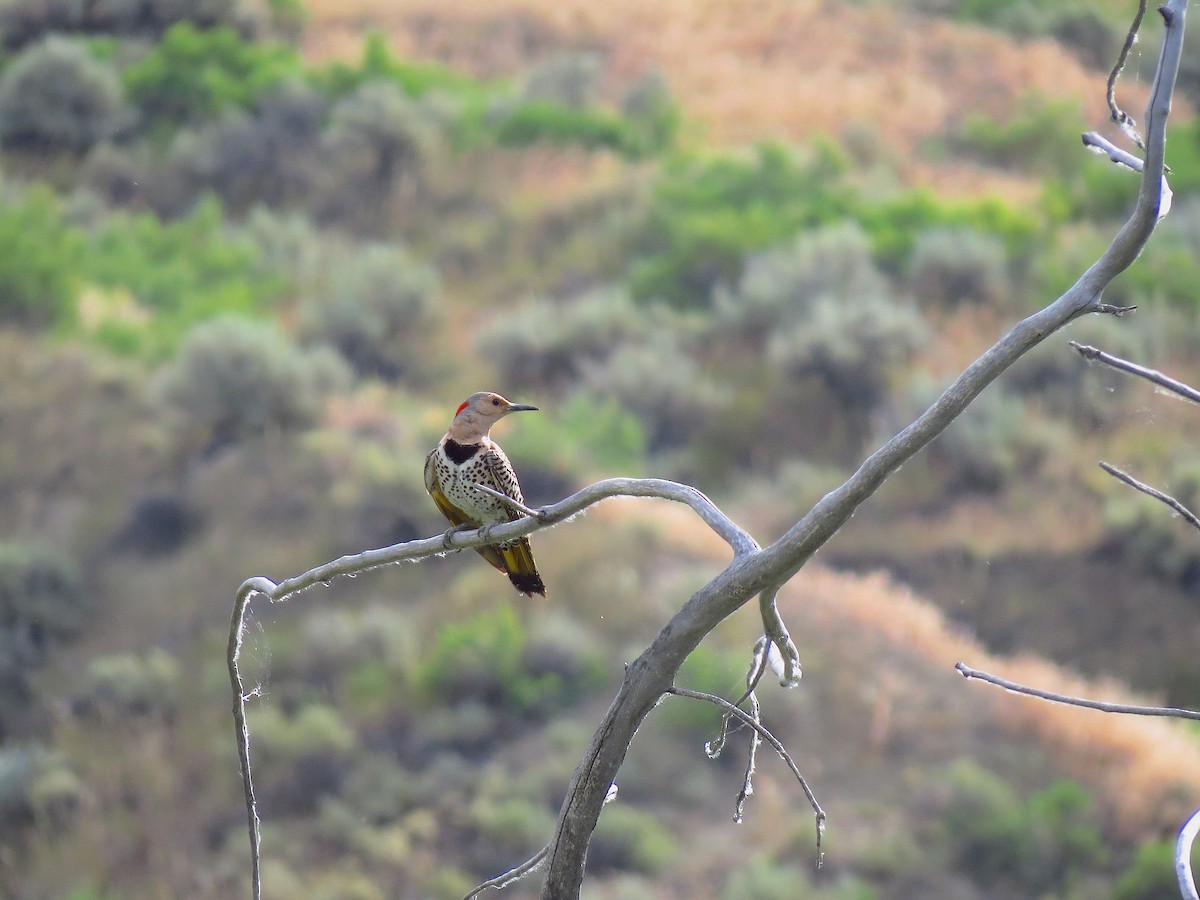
(467, 456)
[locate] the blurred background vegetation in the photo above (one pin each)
(252, 254)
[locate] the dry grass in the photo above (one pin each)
(752, 70)
(1147, 771)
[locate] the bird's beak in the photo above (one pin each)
(520, 407)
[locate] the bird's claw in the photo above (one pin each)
(450, 532)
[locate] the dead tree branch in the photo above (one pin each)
(1151, 375)
(1188, 515)
(1168, 712)
(1183, 857)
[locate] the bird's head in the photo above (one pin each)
(478, 413)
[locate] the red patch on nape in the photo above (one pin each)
(461, 407)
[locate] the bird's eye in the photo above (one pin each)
(495, 402)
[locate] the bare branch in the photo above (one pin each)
(509, 501)
(778, 638)
(1152, 492)
(766, 735)
(1118, 115)
(512, 875)
(1169, 712)
(1183, 857)
(1151, 375)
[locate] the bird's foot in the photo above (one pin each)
(450, 532)
(485, 532)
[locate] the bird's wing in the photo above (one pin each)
(498, 474)
(448, 509)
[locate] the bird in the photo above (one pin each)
(467, 456)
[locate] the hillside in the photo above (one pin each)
(256, 254)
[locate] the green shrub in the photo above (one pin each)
(416, 79)
(41, 597)
(1042, 135)
(1151, 875)
(57, 96)
(24, 21)
(548, 343)
(894, 224)
(378, 309)
(990, 443)
(628, 838)
(42, 604)
(176, 274)
(1038, 844)
(237, 378)
(662, 385)
(708, 212)
(853, 346)
(194, 74)
(527, 123)
(651, 111)
(377, 136)
(38, 275)
(953, 266)
(37, 788)
(781, 284)
(128, 685)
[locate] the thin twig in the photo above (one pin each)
(1183, 857)
(1169, 712)
(778, 636)
(1151, 375)
(775, 743)
(512, 875)
(1123, 119)
(508, 501)
(1187, 514)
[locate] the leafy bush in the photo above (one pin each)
(708, 212)
(1151, 875)
(41, 599)
(128, 685)
(651, 111)
(781, 284)
(488, 660)
(565, 78)
(1043, 135)
(237, 378)
(628, 838)
(1037, 844)
(24, 21)
(990, 443)
(267, 154)
(952, 266)
(177, 274)
(56, 96)
(37, 787)
(41, 604)
(378, 63)
(378, 309)
(194, 74)
(38, 279)
(548, 344)
(662, 385)
(377, 135)
(853, 347)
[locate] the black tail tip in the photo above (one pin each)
(527, 584)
